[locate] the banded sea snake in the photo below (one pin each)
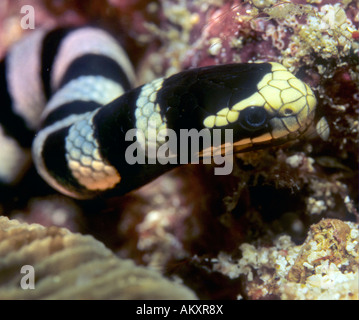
(72, 88)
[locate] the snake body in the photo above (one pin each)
(71, 89)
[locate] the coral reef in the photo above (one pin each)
(73, 266)
(325, 266)
(186, 219)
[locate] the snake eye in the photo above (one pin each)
(253, 118)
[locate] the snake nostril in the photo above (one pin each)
(288, 111)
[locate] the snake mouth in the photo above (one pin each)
(283, 134)
(262, 141)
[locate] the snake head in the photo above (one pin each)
(281, 109)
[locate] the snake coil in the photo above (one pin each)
(71, 89)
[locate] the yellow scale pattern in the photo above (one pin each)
(288, 101)
(148, 117)
(84, 159)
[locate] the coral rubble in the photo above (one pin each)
(325, 266)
